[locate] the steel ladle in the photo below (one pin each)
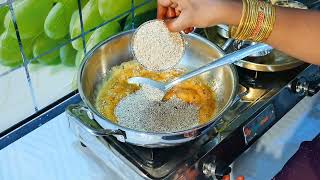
(227, 59)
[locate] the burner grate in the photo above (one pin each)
(157, 157)
(267, 80)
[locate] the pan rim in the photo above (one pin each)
(212, 121)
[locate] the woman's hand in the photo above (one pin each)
(295, 31)
(184, 14)
(170, 13)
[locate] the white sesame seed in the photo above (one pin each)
(144, 110)
(156, 48)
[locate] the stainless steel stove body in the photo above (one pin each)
(265, 99)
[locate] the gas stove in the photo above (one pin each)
(263, 99)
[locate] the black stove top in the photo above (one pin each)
(256, 79)
(157, 158)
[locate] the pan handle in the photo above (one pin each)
(226, 45)
(243, 90)
(84, 117)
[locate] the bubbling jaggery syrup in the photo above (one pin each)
(194, 91)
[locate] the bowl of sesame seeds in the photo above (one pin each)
(177, 121)
(155, 47)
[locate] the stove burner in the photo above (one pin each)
(267, 80)
(156, 157)
(243, 44)
(150, 157)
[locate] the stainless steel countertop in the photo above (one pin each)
(266, 157)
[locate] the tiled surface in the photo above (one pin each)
(47, 83)
(51, 82)
(10, 56)
(20, 95)
(15, 99)
(2, 1)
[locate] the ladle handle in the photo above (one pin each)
(227, 59)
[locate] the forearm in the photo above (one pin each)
(296, 32)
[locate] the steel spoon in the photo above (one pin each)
(227, 59)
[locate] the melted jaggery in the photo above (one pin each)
(194, 91)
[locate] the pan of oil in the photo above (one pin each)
(194, 91)
(102, 84)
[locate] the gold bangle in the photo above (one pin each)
(272, 21)
(256, 22)
(235, 32)
(264, 24)
(244, 25)
(246, 28)
(254, 19)
(261, 21)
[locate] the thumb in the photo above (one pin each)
(178, 24)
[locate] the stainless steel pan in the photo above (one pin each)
(273, 62)
(94, 70)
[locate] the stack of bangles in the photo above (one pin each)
(256, 23)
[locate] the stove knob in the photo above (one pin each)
(214, 171)
(303, 87)
(314, 88)
(209, 169)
